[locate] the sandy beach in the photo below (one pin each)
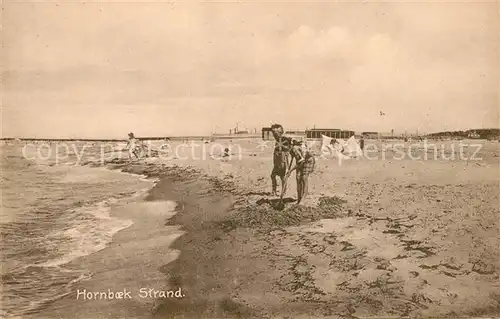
(374, 238)
(140, 143)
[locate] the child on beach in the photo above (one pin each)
(305, 164)
(281, 160)
(132, 146)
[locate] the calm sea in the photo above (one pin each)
(53, 213)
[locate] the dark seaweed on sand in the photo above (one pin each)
(265, 216)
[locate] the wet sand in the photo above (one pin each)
(380, 238)
(130, 262)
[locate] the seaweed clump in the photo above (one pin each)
(263, 215)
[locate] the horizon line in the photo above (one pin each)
(202, 136)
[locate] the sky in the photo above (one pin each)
(102, 69)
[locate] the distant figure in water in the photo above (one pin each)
(132, 146)
(362, 143)
(226, 152)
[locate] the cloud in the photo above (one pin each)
(316, 63)
(333, 43)
(338, 43)
(380, 48)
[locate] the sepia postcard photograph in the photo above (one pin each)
(274, 159)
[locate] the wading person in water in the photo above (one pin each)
(281, 158)
(304, 166)
(132, 146)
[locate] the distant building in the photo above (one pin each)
(267, 134)
(378, 135)
(335, 133)
(295, 132)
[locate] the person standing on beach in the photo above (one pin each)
(281, 160)
(132, 146)
(305, 164)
